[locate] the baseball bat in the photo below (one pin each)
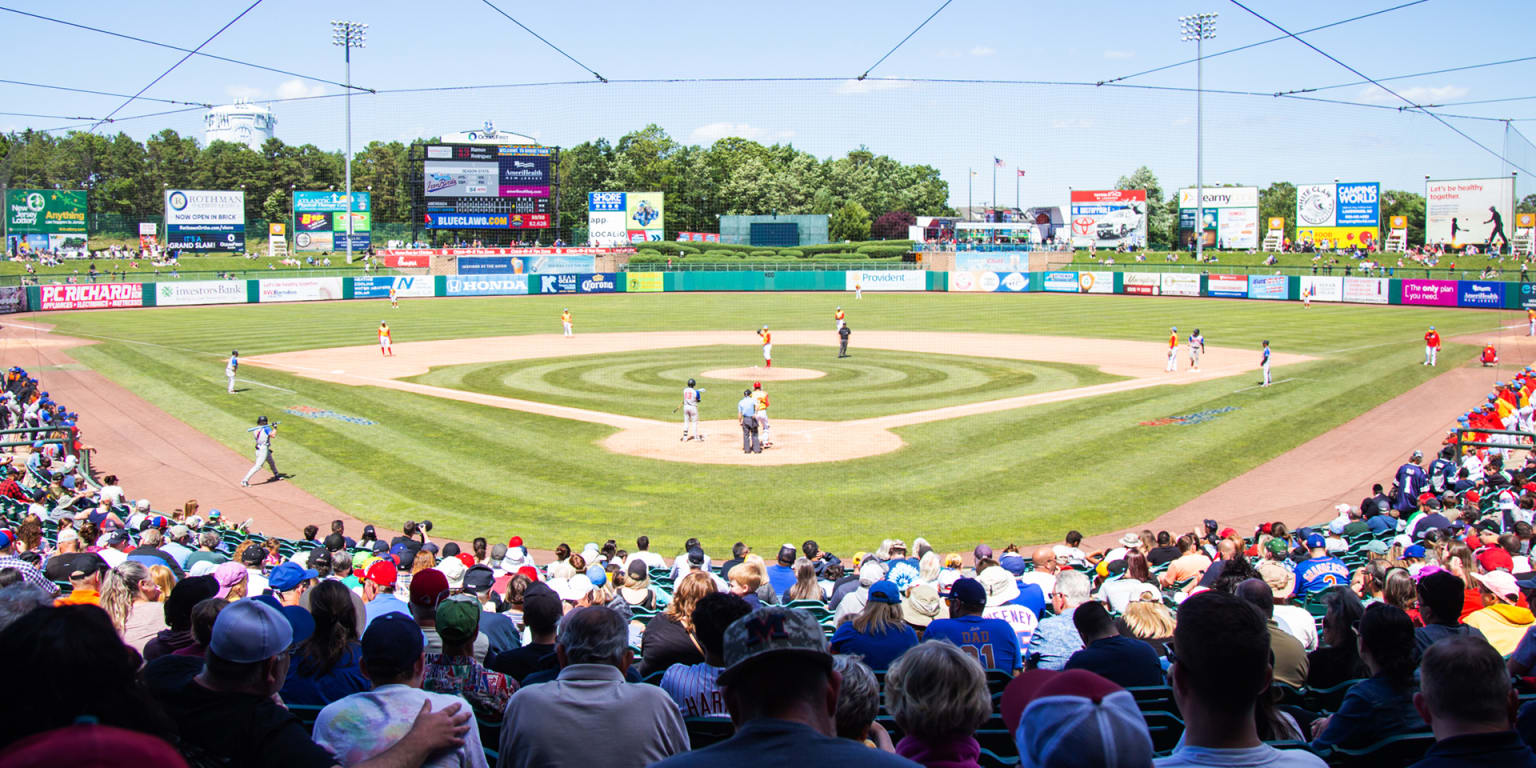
(273, 424)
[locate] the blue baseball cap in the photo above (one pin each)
(967, 590)
(884, 591)
(1316, 541)
(393, 639)
(1416, 551)
(289, 575)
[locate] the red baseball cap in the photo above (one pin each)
(515, 541)
(382, 573)
(428, 588)
(1495, 559)
(466, 558)
(1530, 487)
(1039, 683)
(1225, 532)
(531, 572)
(1473, 496)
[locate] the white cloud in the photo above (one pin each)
(297, 89)
(713, 132)
(869, 86)
(982, 50)
(1119, 54)
(1418, 95)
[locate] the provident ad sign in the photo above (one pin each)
(886, 280)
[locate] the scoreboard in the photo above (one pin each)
(487, 186)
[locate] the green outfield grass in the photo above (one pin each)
(1022, 475)
(649, 383)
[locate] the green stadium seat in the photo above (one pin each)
(704, 731)
(307, 713)
(1166, 729)
(1321, 700)
(990, 759)
(1402, 749)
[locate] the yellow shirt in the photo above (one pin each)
(565, 317)
(383, 332)
(762, 399)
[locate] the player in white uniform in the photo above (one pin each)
(767, 346)
(1264, 363)
(858, 290)
(691, 398)
(386, 347)
(264, 435)
(1196, 348)
(761, 398)
(229, 369)
(1173, 349)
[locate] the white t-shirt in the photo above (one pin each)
(1298, 623)
(1046, 581)
(651, 559)
(112, 494)
(1068, 554)
(1262, 756)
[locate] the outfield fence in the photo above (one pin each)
(1340, 270)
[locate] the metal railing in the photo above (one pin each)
(1341, 270)
(1516, 445)
(796, 265)
(161, 274)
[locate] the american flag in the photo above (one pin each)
(1021, 171)
(998, 161)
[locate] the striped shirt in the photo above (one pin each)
(694, 690)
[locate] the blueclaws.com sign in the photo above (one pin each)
(601, 282)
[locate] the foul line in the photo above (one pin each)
(1272, 383)
(268, 386)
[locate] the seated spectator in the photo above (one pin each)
(878, 633)
(1467, 700)
(1044, 574)
(455, 671)
(1382, 705)
(669, 636)
(807, 586)
(1164, 552)
(938, 696)
(1320, 571)
(858, 701)
(327, 666)
(150, 552)
(1289, 660)
(782, 694)
(993, 640)
(781, 575)
(639, 723)
(429, 588)
(132, 600)
(1294, 619)
(1149, 621)
(1398, 590)
(693, 687)
(1188, 566)
(637, 589)
(1075, 719)
(1338, 660)
(85, 582)
(1440, 600)
(1503, 622)
(1133, 583)
(1221, 671)
(748, 580)
(178, 616)
(1124, 661)
(541, 615)
(853, 601)
(379, 580)
(921, 606)
(1056, 638)
(371, 724)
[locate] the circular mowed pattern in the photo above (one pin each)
(870, 383)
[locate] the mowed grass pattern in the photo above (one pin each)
(1022, 475)
(648, 383)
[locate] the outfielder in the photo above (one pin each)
(767, 346)
(229, 369)
(761, 399)
(394, 299)
(1196, 348)
(691, 398)
(858, 290)
(1264, 363)
(565, 320)
(385, 347)
(264, 434)
(1431, 346)
(1173, 349)
(838, 316)
(1306, 298)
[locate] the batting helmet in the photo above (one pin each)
(260, 420)
(690, 382)
(757, 385)
(235, 352)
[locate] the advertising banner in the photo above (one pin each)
(988, 282)
(887, 280)
(1399, 222)
(1338, 237)
(1268, 287)
(555, 263)
(1096, 282)
(44, 212)
(1011, 261)
(1480, 293)
(377, 287)
(1180, 284)
(523, 176)
(475, 265)
(1143, 283)
(1221, 197)
(560, 251)
(1322, 287)
(605, 219)
(205, 220)
(1231, 217)
(505, 284)
(1059, 282)
(407, 260)
(1229, 286)
(320, 221)
(1528, 295)
(1525, 220)
(1366, 290)
(1338, 205)
(1467, 211)
(92, 296)
(331, 201)
(13, 298)
(574, 283)
(644, 218)
(643, 282)
(169, 294)
(1436, 293)
(459, 179)
(299, 289)
(1107, 218)
(701, 237)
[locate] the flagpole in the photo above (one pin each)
(994, 185)
(970, 178)
(1016, 191)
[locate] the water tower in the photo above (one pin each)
(239, 123)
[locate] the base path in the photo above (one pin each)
(795, 441)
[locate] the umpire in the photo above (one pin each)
(746, 409)
(842, 344)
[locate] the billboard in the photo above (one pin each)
(1096, 282)
(1002, 282)
(1059, 282)
(643, 282)
(1339, 215)
(575, 283)
(13, 298)
(699, 237)
(1480, 293)
(169, 294)
(1366, 290)
(92, 296)
(1227, 286)
(487, 186)
(644, 220)
(299, 289)
(44, 212)
(887, 280)
(486, 220)
(320, 221)
(1528, 295)
(504, 284)
(1231, 217)
(1108, 218)
(1464, 212)
(1268, 287)
(1323, 287)
(1180, 284)
(377, 287)
(976, 261)
(205, 220)
(1143, 283)
(1435, 293)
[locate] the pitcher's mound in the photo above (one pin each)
(795, 442)
(763, 374)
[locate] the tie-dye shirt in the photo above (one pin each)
(485, 690)
(365, 724)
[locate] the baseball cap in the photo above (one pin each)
(1277, 546)
(253, 555)
(248, 631)
(1000, 585)
(695, 556)
(178, 531)
(457, 618)
(1316, 541)
(382, 573)
(318, 556)
(1495, 559)
(1075, 718)
(228, 575)
(922, 605)
(393, 640)
(1376, 547)
(335, 542)
(453, 570)
(982, 552)
(515, 541)
(597, 575)
(870, 572)
(428, 588)
(1500, 583)
(290, 575)
(479, 578)
(88, 563)
(530, 572)
(884, 592)
(7, 538)
(968, 591)
(637, 571)
(451, 549)
(773, 632)
(1416, 551)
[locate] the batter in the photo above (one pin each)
(761, 399)
(767, 346)
(264, 434)
(385, 348)
(1196, 349)
(691, 398)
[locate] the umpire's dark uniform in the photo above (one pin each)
(746, 412)
(842, 345)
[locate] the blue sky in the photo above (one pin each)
(1064, 136)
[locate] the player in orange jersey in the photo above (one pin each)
(384, 345)
(1173, 349)
(767, 346)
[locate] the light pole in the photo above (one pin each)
(349, 35)
(1199, 28)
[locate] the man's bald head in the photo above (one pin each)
(1257, 592)
(1226, 550)
(1045, 559)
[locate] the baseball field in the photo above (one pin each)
(956, 417)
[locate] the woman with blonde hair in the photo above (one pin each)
(130, 597)
(806, 587)
(938, 696)
(669, 637)
(188, 510)
(1150, 621)
(424, 561)
(928, 568)
(878, 632)
(164, 579)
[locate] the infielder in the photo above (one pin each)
(1264, 363)
(1530, 321)
(838, 316)
(1196, 348)
(264, 435)
(1431, 346)
(229, 369)
(1173, 349)
(394, 299)
(761, 399)
(385, 347)
(767, 346)
(1306, 298)
(691, 398)
(565, 320)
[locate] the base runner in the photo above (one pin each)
(264, 434)
(1173, 349)
(565, 320)
(385, 348)
(1196, 349)
(231, 367)
(767, 346)
(761, 398)
(691, 398)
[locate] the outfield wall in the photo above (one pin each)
(1479, 294)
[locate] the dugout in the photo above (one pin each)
(775, 231)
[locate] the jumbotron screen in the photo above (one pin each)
(487, 186)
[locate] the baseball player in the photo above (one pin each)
(1173, 349)
(761, 399)
(1431, 346)
(691, 398)
(1196, 348)
(1306, 298)
(1530, 319)
(230, 368)
(767, 346)
(858, 290)
(838, 316)
(394, 298)
(385, 347)
(565, 320)
(1264, 363)
(264, 433)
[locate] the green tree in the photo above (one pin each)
(1278, 199)
(850, 222)
(1396, 202)
(1527, 204)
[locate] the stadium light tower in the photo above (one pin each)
(349, 35)
(1199, 28)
